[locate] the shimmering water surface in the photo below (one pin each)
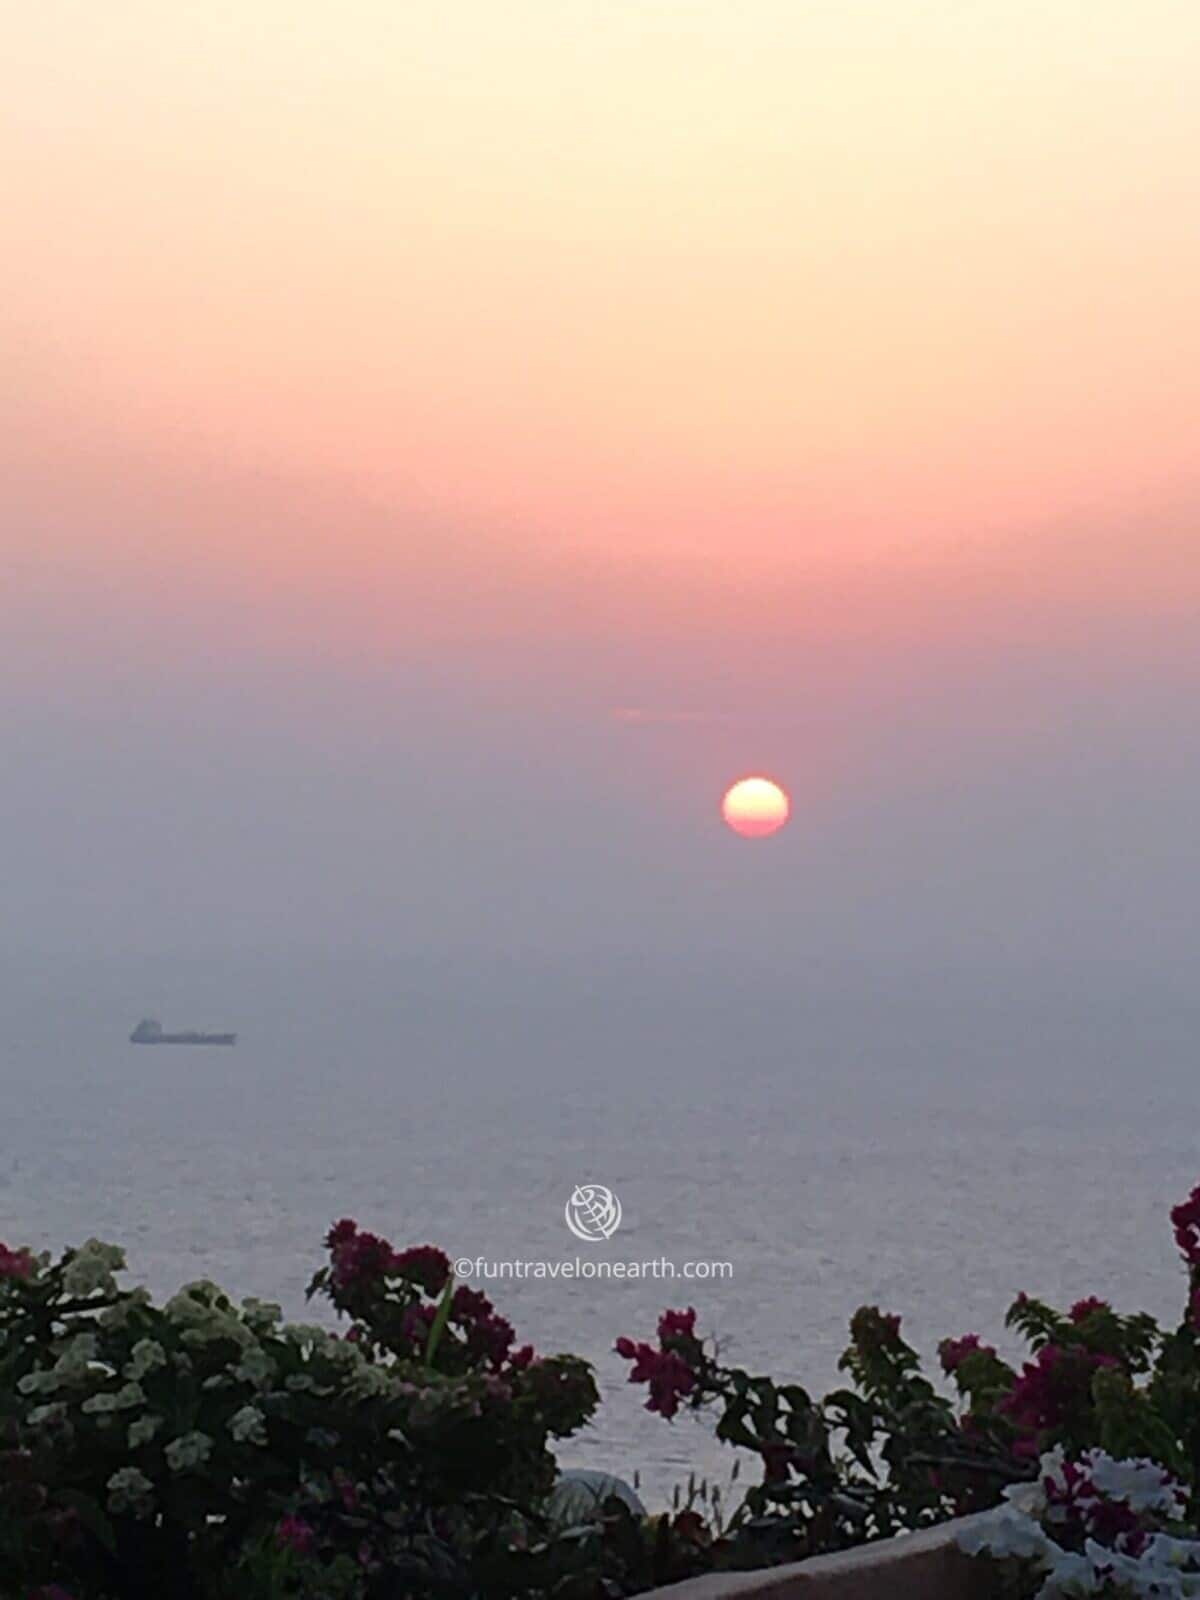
(931, 1142)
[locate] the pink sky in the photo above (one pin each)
(720, 283)
(685, 372)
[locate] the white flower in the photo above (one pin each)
(44, 1382)
(1052, 1463)
(127, 1396)
(1166, 1569)
(75, 1365)
(248, 1426)
(189, 1450)
(370, 1381)
(1071, 1574)
(205, 1314)
(1142, 1484)
(91, 1267)
(255, 1367)
(306, 1335)
(1171, 1552)
(52, 1413)
(130, 1490)
(147, 1354)
(343, 1353)
(95, 1404)
(261, 1315)
(1028, 1498)
(143, 1430)
(117, 1316)
(1005, 1532)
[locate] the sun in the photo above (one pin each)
(755, 807)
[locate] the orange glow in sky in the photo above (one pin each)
(704, 330)
(515, 419)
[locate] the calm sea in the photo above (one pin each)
(931, 1142)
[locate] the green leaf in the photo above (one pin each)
(438, 1326)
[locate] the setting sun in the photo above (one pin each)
(755, 807)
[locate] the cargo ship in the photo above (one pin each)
(150, 1032)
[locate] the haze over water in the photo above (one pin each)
(841, 1137)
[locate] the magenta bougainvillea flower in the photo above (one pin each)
(15, 1263)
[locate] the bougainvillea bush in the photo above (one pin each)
(205, 1450)
(201, 1448)
(1101, 1393)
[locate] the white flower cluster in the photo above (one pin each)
(91, 1269)
(47, 1416)
(146, 1355)
(261, 1315)
(189, 1450)
(119, 1315)
(130, 1490)
(248, 1426)
(255, 1367)
(204, 1314)
(143, 1430)
(1166, 1569)
(125, 1398)
(245, 1357)
(1142, 1485)
(73, 1367)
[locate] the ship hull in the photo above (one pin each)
(190, 1038)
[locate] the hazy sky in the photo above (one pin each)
(443, 445)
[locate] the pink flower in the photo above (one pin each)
(356, 1258)
(416, 1323)
(873, 1329)
(294, 1534)
(423, 1264)
(677, 1325)
(953, 1352)
(522, 1358)
(1082, 1309)
(1054, 1387)
(1090, 1513)
(488, 1334)
(15, 1263)
(1185, 1219)
(665, 1371)
(468, 1303)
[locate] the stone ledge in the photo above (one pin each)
(915, 1566)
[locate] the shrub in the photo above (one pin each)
(889, 1452)
(200, 1448)
(205, 1450)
